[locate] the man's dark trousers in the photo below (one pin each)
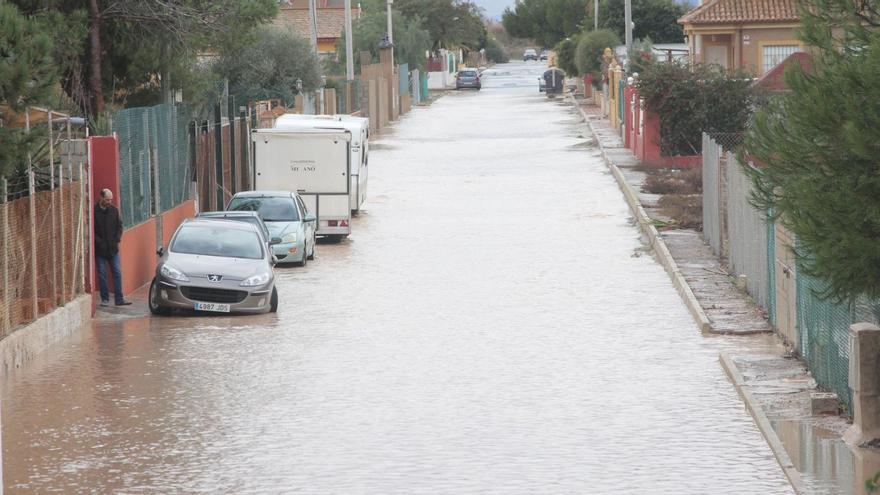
(113, 261)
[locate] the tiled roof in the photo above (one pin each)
(742, 11)
(331, 22)
(773, 79)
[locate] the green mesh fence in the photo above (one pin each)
(152, 138)
(132, 127)
(823, 332)
(771, 272)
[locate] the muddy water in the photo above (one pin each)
(492, 326)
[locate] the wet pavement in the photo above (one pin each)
(493, 325)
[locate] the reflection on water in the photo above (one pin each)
(826, 463)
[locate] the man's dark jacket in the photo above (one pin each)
(108, 231)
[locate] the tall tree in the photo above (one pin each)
(269, 67)
(819, 145)
(411, 40)
(546, 21)
(655, 19)
(132, 43)
(27, 76)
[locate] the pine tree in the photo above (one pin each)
(27, 76)
(819, 145)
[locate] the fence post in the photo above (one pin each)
(61, 230)
(32, 217)
(4, 255)
(233, 176)
(218, 156)
(245, 134)
(54, 226)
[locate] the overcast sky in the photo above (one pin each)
(494, 8)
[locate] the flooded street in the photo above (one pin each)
(493, 325)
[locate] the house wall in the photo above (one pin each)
(744, 43)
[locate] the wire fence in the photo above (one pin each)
(154, 160)
(44, 234)
(221, 158)
(746, 233)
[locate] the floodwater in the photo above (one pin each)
(494, 325)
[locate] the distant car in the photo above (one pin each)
(287, 217)
(545, 55)
(214, 266)
(250, 217)
(468, 78)
(530, 54)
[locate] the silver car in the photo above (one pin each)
(219, 266)
(287, 217)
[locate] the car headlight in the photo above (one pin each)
(255, 280)
(169, 271)
(291, 237)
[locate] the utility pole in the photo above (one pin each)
(628, 24)
(313, 25)
(349, 44)
(390, 32)
(595, 15)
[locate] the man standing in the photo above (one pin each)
(108, 234)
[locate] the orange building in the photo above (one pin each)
(754, 35)
(294, 15)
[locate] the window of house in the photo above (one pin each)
(774, 54)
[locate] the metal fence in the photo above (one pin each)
(154, 160)
(713, 201)
(746, 233)
(44, 234)
(221, 157)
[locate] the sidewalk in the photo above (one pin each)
(777, 389)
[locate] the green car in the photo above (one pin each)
(286, 217)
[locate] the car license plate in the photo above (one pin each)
(215, 307)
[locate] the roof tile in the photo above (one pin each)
(742, 11)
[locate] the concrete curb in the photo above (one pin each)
(25, 343)
(763, 423)
(647, 226)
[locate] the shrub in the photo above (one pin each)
(588, 56)
(565, 55)
(690, 101)
(495, 52)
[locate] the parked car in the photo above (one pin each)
(468, 78)
(250, 217)
(214, 266)
(545, 55)
(530, 54)
(286, 217)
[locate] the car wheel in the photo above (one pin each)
(153, 302)
(273, 302)
(305, 256)
(314, 244)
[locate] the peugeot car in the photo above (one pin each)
(218, 266)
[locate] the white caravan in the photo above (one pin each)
(360, 145)
(313, 163)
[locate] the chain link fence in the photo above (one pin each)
(746, 233)
(153, 152)
(713, 201)
(221, 158)
(44, 227)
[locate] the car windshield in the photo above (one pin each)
(468, 73)
(270, 209)
(217, 241)
(256, 222)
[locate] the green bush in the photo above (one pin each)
(565, 55)
(590, 47)
(495, 52)
(693, 100)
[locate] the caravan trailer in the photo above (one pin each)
(313, 163)
(360, 145)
